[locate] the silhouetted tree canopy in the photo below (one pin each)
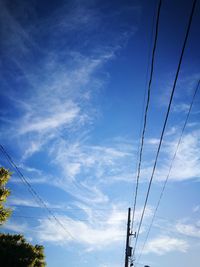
(16, 252)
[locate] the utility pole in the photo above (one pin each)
(128, 251)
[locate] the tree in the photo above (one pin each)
(15, 251)
(4, 193)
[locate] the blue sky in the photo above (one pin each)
(73, 76)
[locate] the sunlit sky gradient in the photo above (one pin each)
(73, 77)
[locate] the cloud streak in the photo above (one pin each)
(165, 244)
(97, 228)
(52, 122)
(186, 165)
(190, 230)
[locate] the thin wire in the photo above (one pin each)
(146, 111)
(143, 105)
(69, 219)
(165, 122)
(67, 208)
(170, 168)
(32, 190)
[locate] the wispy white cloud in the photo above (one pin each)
(172, 131)
(61, 85)
(187, 163)
(165, 244)
(191, 230)
(152, 141)
(196, 208)
(16, 227)
(57, 101)
(186, 83)
(86, 168)
(182, 107)
(52, 122)
(74, 156)
(97, 227)
(100, 229)
(15, 201)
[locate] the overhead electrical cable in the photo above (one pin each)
(166, 119)
(32, 190)
(67, 219)
(146, 110)
(143, 102)
(170, 168)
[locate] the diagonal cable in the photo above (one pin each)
(146, 110)
(32, 190)
(166, 119)
(170, 168)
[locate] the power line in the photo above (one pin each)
(146, 110)
(166, 119)
(143, 102)
(32, 190)
(67, 219)
(68, 208)
(170, 168)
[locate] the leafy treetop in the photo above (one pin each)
(16, 251)
(4, 193)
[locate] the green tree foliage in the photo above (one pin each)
(4, 193)
(16, 252)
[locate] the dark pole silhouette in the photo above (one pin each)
(128, 251)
